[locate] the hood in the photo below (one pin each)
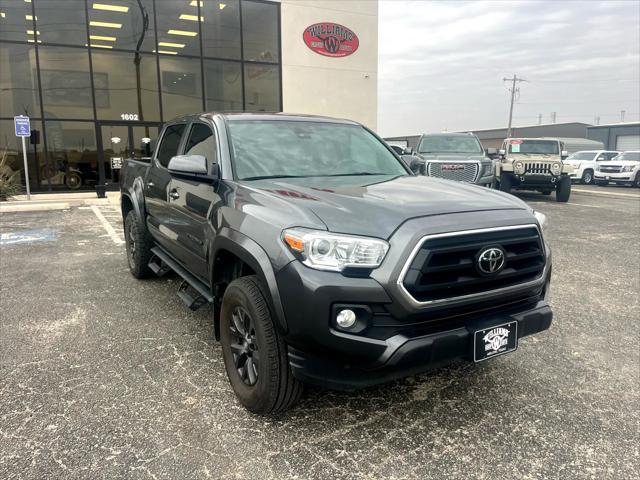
(453, 157)
(376, 205)
(621, 163)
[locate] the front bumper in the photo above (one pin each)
(398, 337)
(615, 177)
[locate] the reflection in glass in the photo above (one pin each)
(260, 31)
(61, 21)
(221, 29)
(126, 85)
(178, 28)
(128, 25)
(262, 88)
(17, 21)
(66, 83)
(18, 81)
(181, 89)
(223, 86)
(11, 146)
(73, 157)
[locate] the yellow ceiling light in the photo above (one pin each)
(2, 14)
(27, 1)
(26, 17)
(167, 52)
(97, 45)
(110, 8)
(102, 37)
(184, 33)
(169, 44)
(194, 3)
(222, 5)
(31, 40)
(105, 24)
(193, 18)
(30, 32)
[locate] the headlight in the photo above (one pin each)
(556, 168)
(542, 220)
(487, 169)
(329, 251)
(628, 168)
(518, 167)
(576, 165)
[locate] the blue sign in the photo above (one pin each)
(23, 128)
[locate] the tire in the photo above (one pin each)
(602, 184)
(506, 183)
(249, 337)
(73, 180)
(587, 177)
(563, 190)
(636, 182)
(138, 244)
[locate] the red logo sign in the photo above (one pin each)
(330, 39)
(449, 167)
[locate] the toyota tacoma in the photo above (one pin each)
(325, 259)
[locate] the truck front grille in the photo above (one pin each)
(610, 168)
(461, 172)
(537, 168)
(445, 267)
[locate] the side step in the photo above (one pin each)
(192, 291)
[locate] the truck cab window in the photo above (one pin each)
(170, 142)
(201, 142)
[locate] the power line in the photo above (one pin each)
(513, 91)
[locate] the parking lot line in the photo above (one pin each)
(107, 226)
(608, 194)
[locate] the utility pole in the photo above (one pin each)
(597, 119)
(539, 119)
(622, 112)
(513, 91)
(553, 117)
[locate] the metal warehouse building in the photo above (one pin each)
(617, 136)
(99, 77)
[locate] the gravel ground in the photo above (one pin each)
(104, 376)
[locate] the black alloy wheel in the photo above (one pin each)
(244, 346)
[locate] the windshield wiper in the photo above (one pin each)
(355, 174)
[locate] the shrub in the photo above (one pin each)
(9, 180)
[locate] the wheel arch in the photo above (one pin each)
(133, 199)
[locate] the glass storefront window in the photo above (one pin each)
(125, 24)
(16, 21)
(262, 88)
(124, 92)
(223, 86)
(73, 156)
(18, 80)
(260, 31)
(66, 83)
(178, 32)
(181, 86)
(11, 146)
(221, 29)
(61, 21)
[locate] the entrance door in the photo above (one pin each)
(122, 140)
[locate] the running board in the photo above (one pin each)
(192, 291)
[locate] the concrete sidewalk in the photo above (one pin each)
(56, 201)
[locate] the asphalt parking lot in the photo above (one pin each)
(105, 376)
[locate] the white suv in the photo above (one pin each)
(584, 164)
(625, 169)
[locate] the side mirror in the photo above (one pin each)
(408, 151)
(502, 152)
(491, 151)
(188, 164)
(415, 164)
(564, 154)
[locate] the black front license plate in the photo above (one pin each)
(493, 341)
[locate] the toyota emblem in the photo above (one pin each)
(491, 260)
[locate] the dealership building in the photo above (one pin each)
(98, 78)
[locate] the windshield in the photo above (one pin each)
(540, 147)
(581, 156)
(449, 143)
(629, 156)
(280, 148)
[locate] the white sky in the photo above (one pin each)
(441, 64)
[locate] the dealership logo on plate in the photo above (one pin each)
(330, 39)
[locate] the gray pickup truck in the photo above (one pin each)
(325, 259)
(456, 156)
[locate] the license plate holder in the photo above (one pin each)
(494, 341)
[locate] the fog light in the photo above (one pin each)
(346, 318)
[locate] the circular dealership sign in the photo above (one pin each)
(330, 39)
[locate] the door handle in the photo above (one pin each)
(150, 184)
(174, 194)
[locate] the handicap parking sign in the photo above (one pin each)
(22, 126)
